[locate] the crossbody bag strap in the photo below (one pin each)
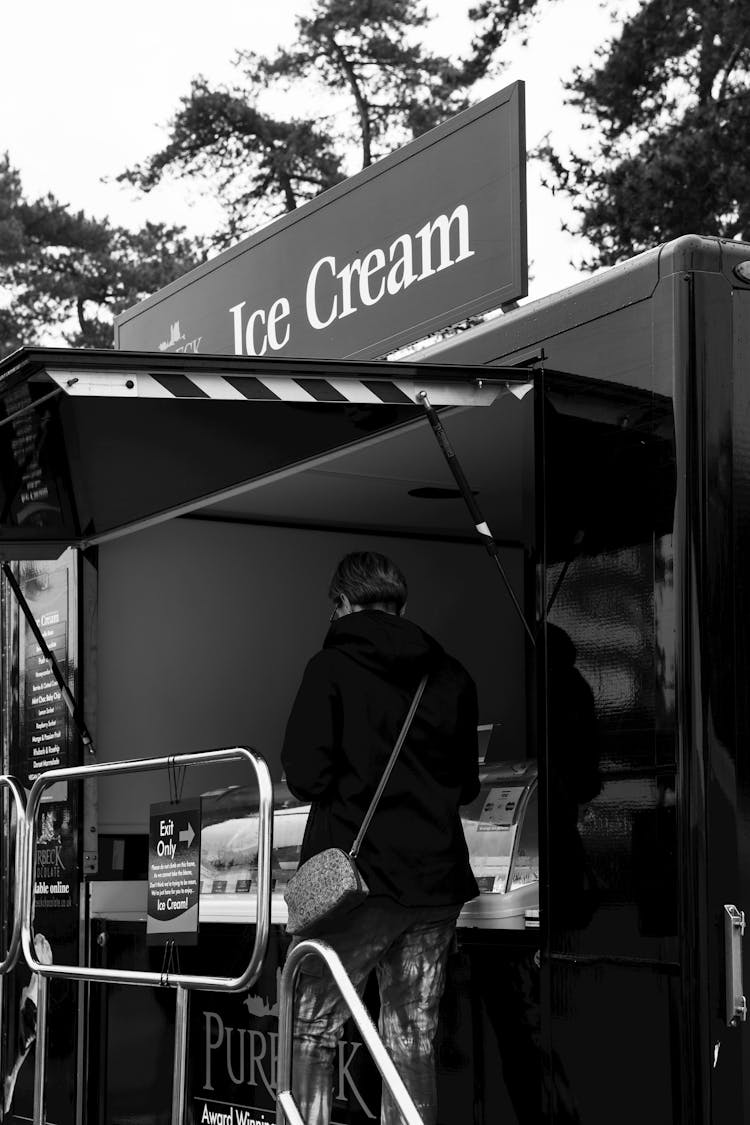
(387, 772)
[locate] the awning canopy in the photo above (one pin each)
(94, 444)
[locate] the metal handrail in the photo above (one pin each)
(287, 1110)
(124, 976)
(10, 960)
(14, 944)
(183, 982)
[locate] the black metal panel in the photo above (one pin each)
(36, 501)
(611, 933)
(613, 1062)
(137, 459)
(741, 653)
(715, 641)
(76, 467)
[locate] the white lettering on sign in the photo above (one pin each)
(166, 847)
(261, 330)
(192, 346)
(216, 1116)
(334, 293)
(442, 225)
(312, 281)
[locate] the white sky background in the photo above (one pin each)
(87, 89)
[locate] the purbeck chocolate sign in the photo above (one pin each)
(427, 236)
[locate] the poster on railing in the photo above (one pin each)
(174, 871)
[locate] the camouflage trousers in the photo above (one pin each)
(407, 947)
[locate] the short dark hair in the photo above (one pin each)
(366, 578)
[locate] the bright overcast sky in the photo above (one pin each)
(87, 89)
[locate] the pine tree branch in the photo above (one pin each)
(732, 61)
(360, 101)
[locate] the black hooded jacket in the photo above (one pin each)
(344, 723)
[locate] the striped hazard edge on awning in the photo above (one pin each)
(141, 375)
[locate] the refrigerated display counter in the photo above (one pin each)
(500, 825)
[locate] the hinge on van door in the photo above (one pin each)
(734, 931)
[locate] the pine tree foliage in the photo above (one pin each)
(672, 97)
(255, 163)
(667, 109)
(64, 272)
(499, 20)
(364, 53)
(369, 50)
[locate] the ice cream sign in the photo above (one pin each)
(431, 234)
(333, 293)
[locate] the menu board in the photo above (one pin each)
(44, 734)
(43, 737)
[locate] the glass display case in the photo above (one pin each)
(500, 825)
(502, 833)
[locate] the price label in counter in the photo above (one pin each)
(174, 864)
(500, 808)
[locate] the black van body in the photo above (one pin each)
(619, 492)
(656, 503)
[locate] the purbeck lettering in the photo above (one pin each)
(249, 1056)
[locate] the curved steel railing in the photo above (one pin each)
(182, 982)
(124, 976)
(14, 943)
(287, 1111)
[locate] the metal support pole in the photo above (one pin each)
(287, 1112)
(179, 1073)
(289, 1107)
(40, 1053)
(464, 488)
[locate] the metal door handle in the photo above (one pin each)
(734, 930)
